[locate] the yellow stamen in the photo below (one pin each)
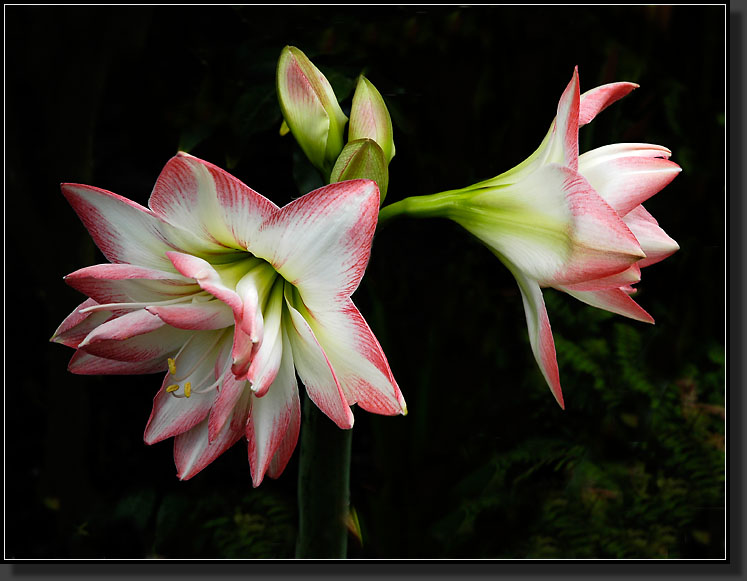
(172, 366)
(172, 388)
(187, 389)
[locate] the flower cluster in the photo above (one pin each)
(233, 296)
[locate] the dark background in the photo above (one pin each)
(485, 465)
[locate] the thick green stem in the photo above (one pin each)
(323, 486)
(432, 206)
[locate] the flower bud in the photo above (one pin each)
(370, 118)
(310, 108)
(362, 159)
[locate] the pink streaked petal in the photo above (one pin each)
(316, 371)
(83, 363)
(193, 450)
(122, 283)
(321, 242)
(358, 360)
(225, 401)
(266, 360)
(208, 279)
(273, 425)
(173, 415)
(566, 122)
(242, 353)
(204, 199)
(625, 182)
(158, 344)
(598, 99)
(617, 150)
(123, 230)
(602, 244)
(540, 333)
(614, 300)
(121, 328)
(77, 325)
(199, 316)
(288, 445)
(629, 276)
(655, 242)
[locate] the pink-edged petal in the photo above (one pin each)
(206, 200)
(266, 360)
(123, 230)
(122, 328)
(614, 300)
(193, 450)
(629, 276)
(83, 363)
(315, 370)
(655, 242)
(122, 283)
(274, 422)
(226, 400)
(566, 122)
(207, 277)
(173, 415)
(200, 316)
(109, 340)
(77, 325)
(602, 244)
(598, 99)
(287, 445)
(540, 333)
(358, 360)
(626, 181)
(321, 242)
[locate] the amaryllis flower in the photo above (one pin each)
(611, 235)
(566, 221)
(231, 296)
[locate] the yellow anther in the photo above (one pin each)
(187, 389)
(172, 366)
(172, 388)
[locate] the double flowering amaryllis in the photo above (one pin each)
(231, 296)
(566, 221)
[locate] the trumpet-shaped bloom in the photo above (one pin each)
(231, 296)
(571, 222)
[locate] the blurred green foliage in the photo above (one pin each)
(485, 465)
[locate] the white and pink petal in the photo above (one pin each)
(656, 243)
(358, 360)
(626, 181)
(122, 283)
(594, 101)
(315, 369)
(540, 333)
(77, 326)
(201, 198)
(321, 242)
(274, 422)
(124, 231)
(194, 450)
(614, 300)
